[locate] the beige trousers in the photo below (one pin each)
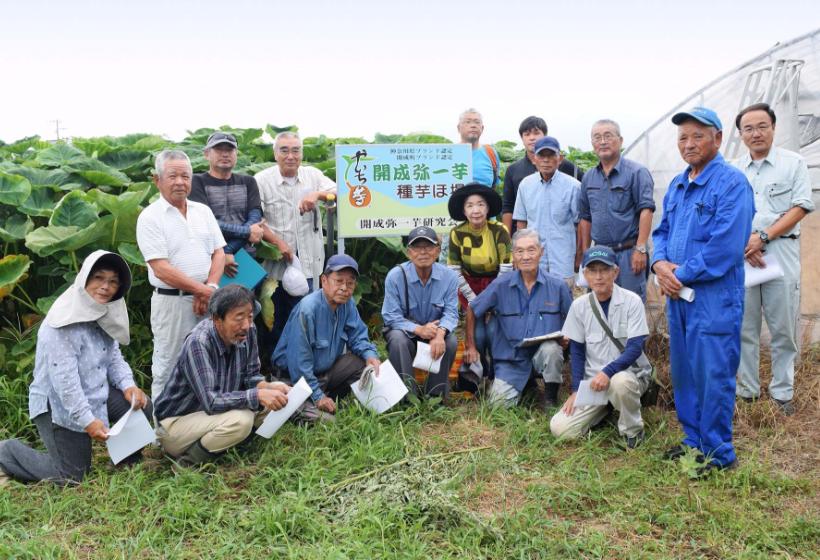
(218, 432)
(624, 393)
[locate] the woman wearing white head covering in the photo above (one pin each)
(81, 384)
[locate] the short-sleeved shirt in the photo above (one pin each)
(483, 167)
(613, 204)
(551, 209)
(303, 233)
(521, 315)
(480, 253)
(231, 200)
(780, 183)
(163, 233)
(626, 319)
(516, 172)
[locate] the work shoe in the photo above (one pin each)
(195, 456)
(550, 399)
(626, 443)
(748, 400)
(675, 452)
(710, 467)
(786, 407)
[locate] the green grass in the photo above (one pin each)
(520, 494)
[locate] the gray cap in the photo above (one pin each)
(220, 138)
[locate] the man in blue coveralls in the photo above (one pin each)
(700, 243)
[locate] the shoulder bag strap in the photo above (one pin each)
(618, 344)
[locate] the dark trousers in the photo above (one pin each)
(68, 456)
(334, 383)
(401, 350)
(283, 304)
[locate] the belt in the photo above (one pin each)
(623, 246)
(792, 236)
(170, 292)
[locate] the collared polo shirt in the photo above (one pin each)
(613, 204)
(187, 242)
(521, 315)
(780, 183)
(551, 208)
(302, 233)
(626, 319)
(435, 301)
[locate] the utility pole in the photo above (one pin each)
(57, 128)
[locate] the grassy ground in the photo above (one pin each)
(460, 482)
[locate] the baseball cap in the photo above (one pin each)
(220, 138)
(600, 253)
(547, 143)
(338, 262)
(701, 114)
(422, 232)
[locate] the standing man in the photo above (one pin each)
(529, 303)
(293, 223)
(782, 189)
(182, 244)
(485, 159)
(531, 129)
(548, 203)
(421, 305)
(700, 243)
(616, 207)
(233, 198)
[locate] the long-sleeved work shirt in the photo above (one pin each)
(437, 300)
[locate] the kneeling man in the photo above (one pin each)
(528, 303)
(617, 366)
(313, 341)
(216, 395)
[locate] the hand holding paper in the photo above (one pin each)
(424, 359)
(587, 396)
(129, 435)
(756, 276)
(275, 419)
(380, 393)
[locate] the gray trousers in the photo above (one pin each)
(334, 383)
(628, 281)
(401, 349)
(547, 362)
(68, 456)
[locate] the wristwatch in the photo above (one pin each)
(764, 237)
(641, 248)
(446, 332)
(212, 285)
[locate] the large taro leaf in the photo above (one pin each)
(20, 146)
(393, 243)
(199, 136)
(60, 155)
(97, 173)
(119, 205)
(424, 138)
(99, 146)
(48, 240)
(73, 210)
(130, 139)
(126, 160)
(268, 287)
(131, 253)
(57, 179)
(149, 143)
(259, 152)
(45, 303)
(268, 251)
(274, 130)
(14, 189)
(40, 203)
(13, 269)
(388, 138)
(15, 228)
(256, 168)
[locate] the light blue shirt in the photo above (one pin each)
(551, 208)
(315, 336)
(483, 168)
(73, 366)
(780, 183)
(435, 301)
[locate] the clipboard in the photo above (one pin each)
(250, 274)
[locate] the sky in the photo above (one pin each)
(357, 68)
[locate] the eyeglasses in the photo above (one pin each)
(339, 282)
(423, 248)
(471, 121)
(100, 279)
(286, 152)
(609, 137)
(749, 130)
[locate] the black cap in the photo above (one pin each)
(220, 138)
(599, 253)
(423, 232)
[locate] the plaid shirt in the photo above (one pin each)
(211, 376)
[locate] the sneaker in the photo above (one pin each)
(786, 407)
(711, 467)
(632, 442)
(675, 452)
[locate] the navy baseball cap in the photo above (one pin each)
(547, 143)
(220, 138)
(338, 262)
(701, 114)
(600, 253)
(423, 232)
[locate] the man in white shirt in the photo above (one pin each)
(182, 244)
(293, 222)
(782, 187)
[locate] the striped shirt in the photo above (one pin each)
(210, 376)
(163, 233)
(280, 205)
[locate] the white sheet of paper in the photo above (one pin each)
(276, 418)
(757, 276)
(536, 340)
(477, 368)
(580, 281)
(589, 397)
(382, 392)
(129, 435)
(685, 293)
(424, 360)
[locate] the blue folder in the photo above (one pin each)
(249, 274)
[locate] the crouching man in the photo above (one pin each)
(529, 303)
(313, 341)
(216, 395)
(617, 366)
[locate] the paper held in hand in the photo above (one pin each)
(587, 396)
(129, 435)
(276, 418)
(580, 281)
(379, 394)
(756, 276)
(424, 360)
(685, 293)
(536, 340)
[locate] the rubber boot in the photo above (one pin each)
(550, 396)
(196, 455)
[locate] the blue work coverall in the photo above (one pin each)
(705, 227)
